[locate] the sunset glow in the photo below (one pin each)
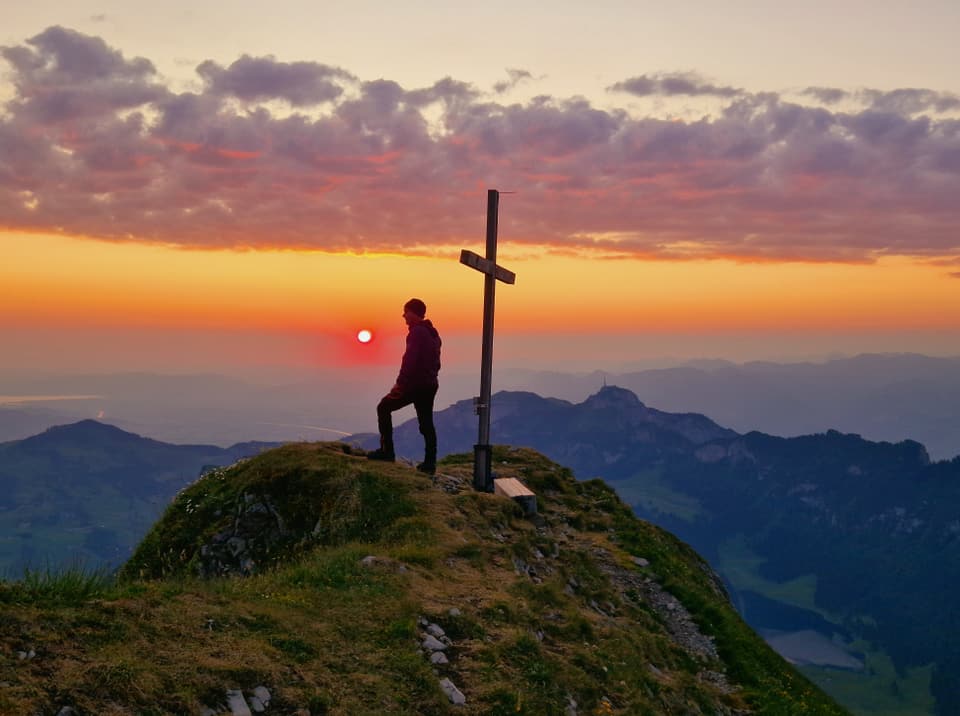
(246, 193)
(82, 282)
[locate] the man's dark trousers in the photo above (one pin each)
(422, 400)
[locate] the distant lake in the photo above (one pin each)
(15, 399)
(810, 647)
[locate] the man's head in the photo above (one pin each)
(414, 310)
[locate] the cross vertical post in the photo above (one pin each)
(482, 475)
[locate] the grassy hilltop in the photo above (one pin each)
(318, 577)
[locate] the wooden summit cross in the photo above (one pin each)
(482, 477)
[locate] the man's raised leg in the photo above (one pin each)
(385, 409)
(424, 407)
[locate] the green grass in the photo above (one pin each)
(57, 586)
(323, 630)
(647, 490)
(64, 539)
(740, 565)
(878, 690)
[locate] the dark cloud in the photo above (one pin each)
(542, 128)
(667, 84)
(448, 90)
(910, 101)
(899, 101)
(515, 77)
(59, 56)
(93, 144)
(257, 79)
(827, 95)
(62, 75)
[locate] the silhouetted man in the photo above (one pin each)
(417, 383)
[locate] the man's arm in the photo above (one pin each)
(411, 358)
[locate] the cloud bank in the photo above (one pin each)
(301, 154)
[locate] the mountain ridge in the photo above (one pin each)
(883, 396)
(880, 396)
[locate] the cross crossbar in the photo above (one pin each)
(476, 261)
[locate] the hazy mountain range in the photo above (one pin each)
(881, 397)
(888, 397)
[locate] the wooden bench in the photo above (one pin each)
(518, 492)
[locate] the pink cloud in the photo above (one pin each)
(93, 143)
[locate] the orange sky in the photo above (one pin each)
(55, 282)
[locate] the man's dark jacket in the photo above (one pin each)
(421, 360)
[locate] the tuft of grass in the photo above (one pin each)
(299, 650)
(336, 570)
(63, 586)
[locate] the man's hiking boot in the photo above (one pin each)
(381, 454)
(427, 467)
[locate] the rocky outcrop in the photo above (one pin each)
(256, 532)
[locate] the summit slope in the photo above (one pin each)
(329, 581)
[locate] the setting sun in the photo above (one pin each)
(364, 336)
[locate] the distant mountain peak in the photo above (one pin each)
(84, 429)
(612, 396)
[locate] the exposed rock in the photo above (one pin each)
(439, 658)
(257, 526)
(520, 567)
(262, 693)
(739, 453)
(435, 630)
(236, 545)
(453, 693)
(431, 643)
(373, 561)
(710, 453)
(237, 704)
